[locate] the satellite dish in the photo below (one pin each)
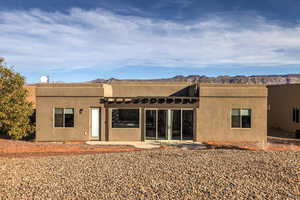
(44, 79)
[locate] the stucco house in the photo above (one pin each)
(142, 111)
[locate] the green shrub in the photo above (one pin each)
(15, 110)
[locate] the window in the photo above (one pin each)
(241, 118)
(125, 118)
(296, 115)
(64, 117)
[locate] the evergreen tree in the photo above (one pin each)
(15, 110)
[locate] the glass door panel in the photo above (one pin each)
(187, 124)
(169, 124)
(150, 124)
(176, 125)
(162, 124)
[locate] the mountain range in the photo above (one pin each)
(260, 79)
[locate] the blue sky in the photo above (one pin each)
(80, 40)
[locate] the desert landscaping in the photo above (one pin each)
(80, 171)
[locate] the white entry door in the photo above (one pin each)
(95, 122)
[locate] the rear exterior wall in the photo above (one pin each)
(78, 96)
(214, 113)
(45, 130)
(213, 116)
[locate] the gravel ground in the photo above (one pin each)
(154, 174)
(16, 148)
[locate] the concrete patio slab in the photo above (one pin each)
(154, 144)
(140, 145)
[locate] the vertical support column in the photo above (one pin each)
(142, 123)
(169, 124)
(107, 125)
(102, 124)
(156, 124)
(181, 124)
(195, 124)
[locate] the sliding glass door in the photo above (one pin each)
(162, 124)
(175, 124)
(169, 124)
(187, 124)
(151, 124)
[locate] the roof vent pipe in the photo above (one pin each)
(44, 79)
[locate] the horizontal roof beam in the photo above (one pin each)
(149, 100)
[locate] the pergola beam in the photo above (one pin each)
(149, 100)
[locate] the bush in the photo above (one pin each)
(15, 110)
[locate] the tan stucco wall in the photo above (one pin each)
(282, 99)
(73, 91)
(45, 130)
(131, 89)
(232, 90)
(214, 113)
(59, 96)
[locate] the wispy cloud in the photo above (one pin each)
(180, 3)
(38, 40)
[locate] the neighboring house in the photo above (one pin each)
(31, 94)
(139, 111)
(284, 106)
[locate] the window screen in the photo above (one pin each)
(241, 118)
(125, 118)
(69, 117)
(235, 118)
(246, 118)
(296, 115)
(59, 117)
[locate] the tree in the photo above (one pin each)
(15, 110)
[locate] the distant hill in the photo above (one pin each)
(264, 79)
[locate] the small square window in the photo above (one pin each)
(64, 117)
(241, 118)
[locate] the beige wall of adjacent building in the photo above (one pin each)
(31, 94)
(282, 99)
